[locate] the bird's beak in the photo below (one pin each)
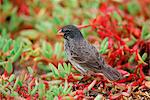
(60, 33)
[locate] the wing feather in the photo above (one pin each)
(86, 55)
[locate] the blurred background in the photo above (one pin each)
(30, 51)
(45, 16)
(36, 22)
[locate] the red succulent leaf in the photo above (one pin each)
(23, 9)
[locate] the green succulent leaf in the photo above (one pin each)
(11, 78)
(8, 67)
(146, 31)
(133, 7)
(17, 54)
(54, 70)
(41, 90)
(46, 50)
(7, 45)
(57, 50)
(104, 46)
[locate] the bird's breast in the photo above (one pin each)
(68, 48)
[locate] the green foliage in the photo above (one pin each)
(98, 97)
(117, 17)
(16, 83)
(11, 13)
(32, 57)
(104, 46)
(14, 94)
(7, 45)
(133, 7)
(6, 6)
(58, 49)
(144, 56)
(146, 30)
(54, 70)
(8, 67)
(43, 26)
(11, 78)
(30, 33)
(46, 50)
(62, 71)
(17, 53)
(132, 57)
(14, 54)
(30, 70)
(132, 41)
(34, 90)
(55, 91)
(41, 90)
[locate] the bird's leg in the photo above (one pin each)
(86, 76)
(89, 73)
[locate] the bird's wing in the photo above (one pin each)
(87, 55)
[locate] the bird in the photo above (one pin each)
(84, 56)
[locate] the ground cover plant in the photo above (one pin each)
(33, 64)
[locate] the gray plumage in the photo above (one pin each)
(85, 56)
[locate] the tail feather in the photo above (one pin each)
(111, 73)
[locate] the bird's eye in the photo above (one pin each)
(67, 30)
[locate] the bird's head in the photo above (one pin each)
(70, 32)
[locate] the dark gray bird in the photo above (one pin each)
(85, 56)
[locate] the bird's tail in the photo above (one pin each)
(111, 73)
